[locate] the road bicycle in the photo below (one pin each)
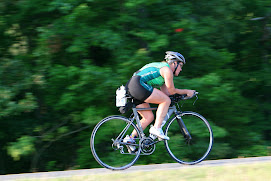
(191, 137)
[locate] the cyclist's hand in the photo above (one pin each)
(190, 93)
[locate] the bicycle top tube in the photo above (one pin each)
(151, 108)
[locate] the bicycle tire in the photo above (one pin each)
(105, 151)
(193, 151)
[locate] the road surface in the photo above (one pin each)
(83, 172)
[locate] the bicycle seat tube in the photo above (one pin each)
(136, 116)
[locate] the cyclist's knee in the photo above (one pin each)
(167, 101)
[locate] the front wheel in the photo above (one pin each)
(191, 143)
(107, 145)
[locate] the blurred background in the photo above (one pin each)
(61, 62)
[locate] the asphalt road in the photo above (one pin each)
(63, 174)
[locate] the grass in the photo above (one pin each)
(248, 172)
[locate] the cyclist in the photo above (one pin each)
(143, 87)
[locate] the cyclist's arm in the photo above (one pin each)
(163, 88)
(169, 87)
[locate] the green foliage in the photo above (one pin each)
(14, 96)
(24, 146)
(61, 62)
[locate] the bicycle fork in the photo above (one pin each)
(183, 129)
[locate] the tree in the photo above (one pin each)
(61, 62)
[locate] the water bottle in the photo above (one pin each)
(121, 96)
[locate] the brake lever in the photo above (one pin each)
(195, 95)
(196, 99)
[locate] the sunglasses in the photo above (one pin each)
(178, 63)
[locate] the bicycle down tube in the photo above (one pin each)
(171, 110)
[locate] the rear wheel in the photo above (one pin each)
(189, 150)
(107, 144)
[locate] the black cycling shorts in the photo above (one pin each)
(137, 91)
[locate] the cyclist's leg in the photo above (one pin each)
(146, 93)
(158, 97)
(147, 117)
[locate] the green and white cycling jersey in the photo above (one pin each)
(150, 75)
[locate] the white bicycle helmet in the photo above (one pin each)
(174, 56)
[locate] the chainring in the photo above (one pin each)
(147, 146)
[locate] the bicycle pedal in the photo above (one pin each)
(134, 152)
(153, 137)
